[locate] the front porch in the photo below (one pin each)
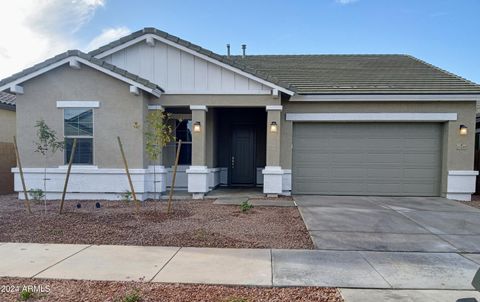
(226, 147)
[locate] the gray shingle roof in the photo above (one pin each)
(359, 74)
(7, 99)
(333, 74)
(87, 57)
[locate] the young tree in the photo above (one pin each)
(47, 143)
(159, 133)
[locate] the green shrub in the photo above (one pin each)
(127, 196)
(132, 297)
(25, 295)
(36, 194)
(245, 206)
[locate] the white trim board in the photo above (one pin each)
(220, 92)
(144, 37)
(371, 117)
(385, 97)
(155, 107)
(47, 68)
(78, 104)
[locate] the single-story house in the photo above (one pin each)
(388, 125)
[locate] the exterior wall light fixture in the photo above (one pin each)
(273, 127)
(197, 127)
(463, 130)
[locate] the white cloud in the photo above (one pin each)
(345, 2)
(34, 30)
(108, 35)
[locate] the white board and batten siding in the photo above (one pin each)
(177, 71)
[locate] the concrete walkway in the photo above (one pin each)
(263, 267)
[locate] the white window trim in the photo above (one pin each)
(371, 117)
(80, 136)
(78, 104)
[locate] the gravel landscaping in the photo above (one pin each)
(474, 203)
(70, 290)
(193, 223)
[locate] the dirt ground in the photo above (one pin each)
(475, 201)
(70, 290)
(193, 223)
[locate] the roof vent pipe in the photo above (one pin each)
(244, 48)
(228, 50)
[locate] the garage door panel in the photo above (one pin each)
(401, 159)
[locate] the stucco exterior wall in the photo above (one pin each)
(118, 111)
(215, 100)
(453, 159)
(7, 125)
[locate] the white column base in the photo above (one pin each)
(198, 180)
(198, 195)
(461, 184)
(272, 180)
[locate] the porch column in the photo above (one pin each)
(157, 174)
(198, 171)
(273, 173)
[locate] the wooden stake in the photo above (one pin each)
(74, 147)
(27, 201)
(137, 205)
(174, 177)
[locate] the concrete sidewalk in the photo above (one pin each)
(261, 267)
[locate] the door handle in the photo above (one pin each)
(233, 162)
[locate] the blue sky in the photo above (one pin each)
(442, 32)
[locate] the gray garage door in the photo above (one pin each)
(397, 159)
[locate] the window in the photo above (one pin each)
(78, 123)
(184, 132)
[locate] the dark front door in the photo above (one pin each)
(242, 162)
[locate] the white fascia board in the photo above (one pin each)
(199, 107)
(155, 92)
(463, 172)
(371, 117)
(219, 92)
(78, 104)
(36, 73)
(155, 107)
(274, 107)
(197, 54)
(385, 98)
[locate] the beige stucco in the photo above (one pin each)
(199, 139)
(7, 125)
(453, 158)
(176, 100)
(273, 138)
(118, 112)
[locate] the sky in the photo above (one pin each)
(445, 33)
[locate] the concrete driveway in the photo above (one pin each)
(390, 224)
